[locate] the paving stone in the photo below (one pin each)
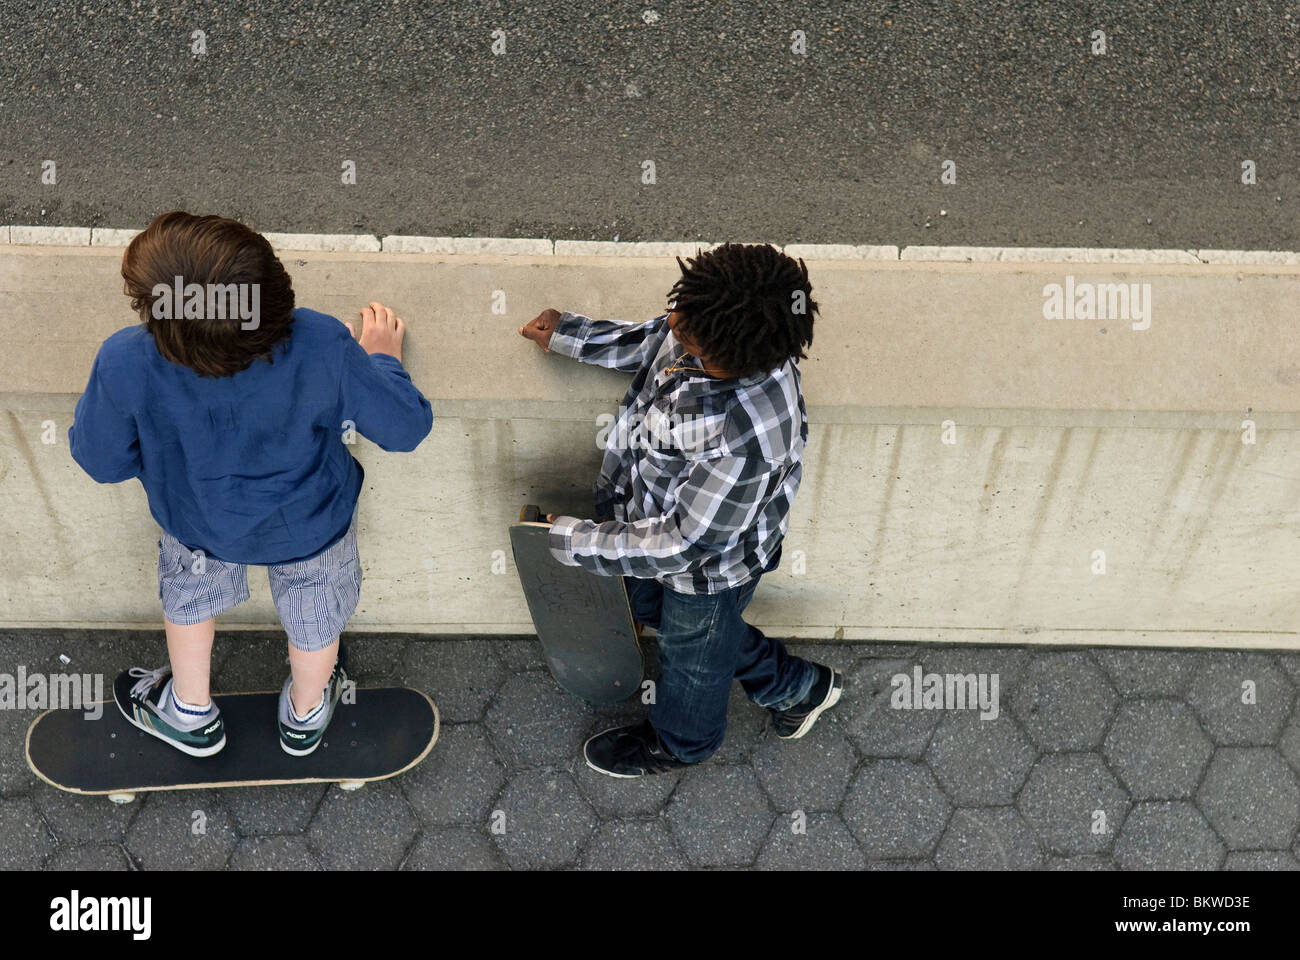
(546, 820)
(876, 728)
(27, 839)
(246, 661)
(620, 799)
(988, 838)
(633, 845)
(911, 652)
(16, 776)
(631, 710)
(896, 809)
(980, 762)
(1085, 862)
(366, 829)
(1288, 744)
(77, 819)
(519, 653)
(1064, 799)
(36, 653)
(1064, 701)
(454, 848)
(1216, 696)
(960, 658)
(89, 858)
(162, 835)
(105, 653)
(1261, 860)
(838, 656)
(533, 722)
(273, 853)
(807, 774)
(376, 661)
(1150, 673)
(460, 676)
(825, 844)
(1158, 749)
(286, 809)
(1291, 664)
(459, 778)
(1251, 798)
(746, 724)
(719, 815)
(901, 865)
(1167, 835)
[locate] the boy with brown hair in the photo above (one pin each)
(231, 407)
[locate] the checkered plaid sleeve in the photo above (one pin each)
(718, 501)
(608, 343)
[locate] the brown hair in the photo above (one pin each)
(208, 251)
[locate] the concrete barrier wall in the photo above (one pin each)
(1071, 437)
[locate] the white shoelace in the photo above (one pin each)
(148, 679)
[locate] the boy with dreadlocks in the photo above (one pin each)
(694, 496)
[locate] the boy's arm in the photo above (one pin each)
(607, 343)
(716, 503)
(378, 396)
(104, 440)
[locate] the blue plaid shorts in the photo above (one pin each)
(315, 598)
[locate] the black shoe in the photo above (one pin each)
(629, 752)
(825, 693)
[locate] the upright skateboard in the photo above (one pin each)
(583, 621)
(386, 731)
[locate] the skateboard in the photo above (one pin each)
(584, 623)
(386, 731)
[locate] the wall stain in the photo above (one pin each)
(38, 481)
(895, 459)
(1041, 512)
(1166, 502)
(1192, 532)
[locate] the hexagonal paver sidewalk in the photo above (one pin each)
(1094, 760)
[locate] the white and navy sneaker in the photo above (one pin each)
(146, 699)
(300, 736)
(825, 693)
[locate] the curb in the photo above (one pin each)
(16, 234)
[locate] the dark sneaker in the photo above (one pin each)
(628, 752)
(825, 693)
(145, 699)
(301, 737)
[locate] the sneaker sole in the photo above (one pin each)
(183, 748)
(832, 698)
(298, 753)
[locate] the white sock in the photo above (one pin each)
(190, 709)
(311, 714)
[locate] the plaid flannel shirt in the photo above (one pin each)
(698, 475)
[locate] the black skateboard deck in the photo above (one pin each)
(583, 621)
(385, 732)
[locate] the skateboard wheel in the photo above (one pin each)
(351, 784)
(121, 797)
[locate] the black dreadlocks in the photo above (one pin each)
(749, 307)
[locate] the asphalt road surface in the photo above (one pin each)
(1052, 144)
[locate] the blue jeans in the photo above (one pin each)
(703, 645)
